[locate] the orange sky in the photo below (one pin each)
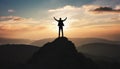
(81, 23)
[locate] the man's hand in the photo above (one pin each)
(55, 18)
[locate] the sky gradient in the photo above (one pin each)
(33, 19)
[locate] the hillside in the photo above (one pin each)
(41, 42)
(14, 41)
(101, 50)
(77, 41)
(60, 54)
(14, 54)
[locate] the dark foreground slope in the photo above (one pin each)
(60, 54)
(15, 54)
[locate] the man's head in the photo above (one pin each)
(60, 19)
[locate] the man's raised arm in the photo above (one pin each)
(55, 19)
(65, 19)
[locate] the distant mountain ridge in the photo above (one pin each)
(101, 50)
(77, 41)
(14, 41)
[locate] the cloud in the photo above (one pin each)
(13, 18)
(65, 11)
(16, 19)
(106, 9)
(11, 11)
(17, 25)
(21, 27)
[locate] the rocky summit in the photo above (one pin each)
(60, 54)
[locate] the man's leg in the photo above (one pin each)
(62, 31)
(59, 32)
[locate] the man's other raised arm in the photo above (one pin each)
(55, 19)
(65, 19)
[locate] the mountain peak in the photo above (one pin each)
(61, 39)
(59, 46)
(62, 43)
(59, 54)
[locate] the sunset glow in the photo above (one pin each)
(34, 19)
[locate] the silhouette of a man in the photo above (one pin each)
(60, 24)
